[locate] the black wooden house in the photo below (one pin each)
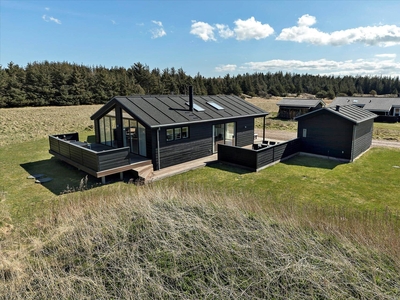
(290, 108)
(172, 129)
(343, 132)
(155, 132)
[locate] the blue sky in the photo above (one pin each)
(212, 38)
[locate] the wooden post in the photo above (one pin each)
(103, 180)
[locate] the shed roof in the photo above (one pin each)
(307, 103)
(378, 104)
(351, 113)
(168, 110)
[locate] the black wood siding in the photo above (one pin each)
(199, 144)
(244, 132)
(363, 138)
(257, 159)
(327, 135)
(97, 161)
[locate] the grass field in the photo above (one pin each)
(304, 228)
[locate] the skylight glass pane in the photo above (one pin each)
(196, 107)
(215, 105)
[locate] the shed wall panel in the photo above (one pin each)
(363, 138)
(326, 134)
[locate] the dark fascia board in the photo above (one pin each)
(331, 110)
(111, 105)
(104, 109)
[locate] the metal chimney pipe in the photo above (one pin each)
(337, 107)
(191, 98)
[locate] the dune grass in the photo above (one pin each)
(158, 242)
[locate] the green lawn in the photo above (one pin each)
(369, 183)
(23, 196)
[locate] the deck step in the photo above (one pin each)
(144, 173)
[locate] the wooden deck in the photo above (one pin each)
(184, 167)
(95, 159)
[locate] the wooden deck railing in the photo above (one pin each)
(258, 159)
(79, 153)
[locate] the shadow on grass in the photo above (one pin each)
(229, 168)
(313, 162)
(65, 178)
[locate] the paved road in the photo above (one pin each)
(283, 135)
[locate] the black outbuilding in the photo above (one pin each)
(290, 108)
(343, 132)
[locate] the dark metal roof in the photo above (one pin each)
(169, 110)
(378, 104)
(307, 103)
(349, 112)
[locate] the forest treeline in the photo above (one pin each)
(62, 83)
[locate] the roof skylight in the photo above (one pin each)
(196, 107)
(215, 105)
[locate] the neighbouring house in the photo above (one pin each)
(343, 132)
(387, 109)
(291, 108)
(158, 132)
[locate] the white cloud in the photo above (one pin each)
(251, 29)
(46, 8)
(157, 32)
(159, 23)
(224, 31)
(306, 20)
(244, 30)
(362, 67)
(203, 30)
(226, 68)
(382, 35)
(388, 55)
(51, 19)
(112, 21)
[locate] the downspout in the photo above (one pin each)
(264, 129)
(158, 149)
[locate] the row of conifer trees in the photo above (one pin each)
(63, 83)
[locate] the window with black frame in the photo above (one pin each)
(173, 134)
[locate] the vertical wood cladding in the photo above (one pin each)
(327, 134)
(363, 138)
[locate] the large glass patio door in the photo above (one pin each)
(134, 134)
(224, 134)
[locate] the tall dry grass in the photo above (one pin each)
(159, 241)
(30, 123)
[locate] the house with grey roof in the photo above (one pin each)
(343, 132)
(290, 108)
(387, 109)
(158, 131)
